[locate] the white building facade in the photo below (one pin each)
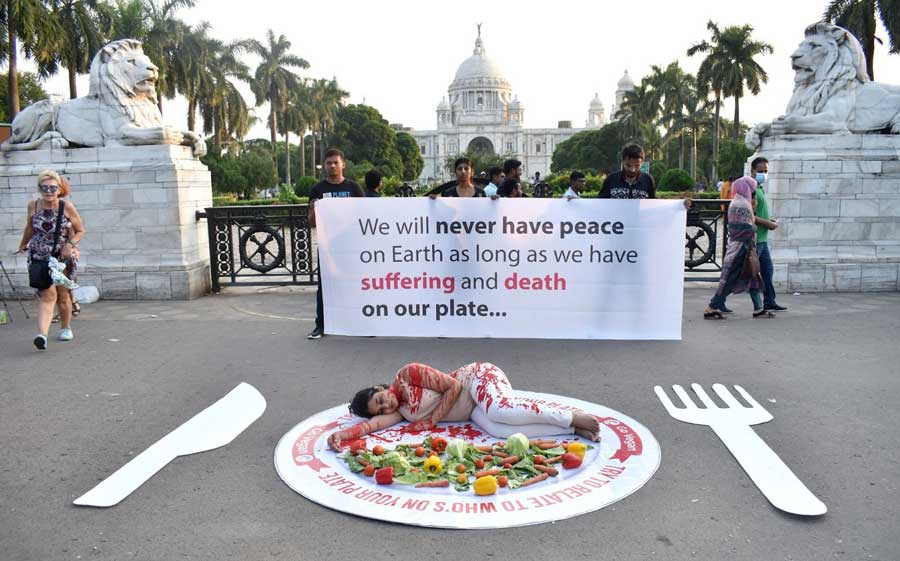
(480, 113)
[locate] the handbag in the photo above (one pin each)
(751, 264)
(39, 270)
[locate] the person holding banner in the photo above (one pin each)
(464, 187)
(334, 185)
(741, 241)
(478, 392)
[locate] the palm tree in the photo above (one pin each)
(86, 26)
(30, 22)
(675, 89)
(274, 78)
(728, 67)
(293, 119)
(639, 112)
(696, 117)
(858, 16)
(164, 33)
(326, 96)
(710, 78)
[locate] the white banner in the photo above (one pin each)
(532, 268)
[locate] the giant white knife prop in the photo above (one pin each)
(215, 426)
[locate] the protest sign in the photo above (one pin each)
(532, 268)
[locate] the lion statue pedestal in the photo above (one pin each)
(136, 182)
(837, 202)
(834, 171)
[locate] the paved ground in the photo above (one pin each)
(827, 370)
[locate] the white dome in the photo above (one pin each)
(479, 70)
(625, 82)
(596, 103)
(443, 105)
(516, 104)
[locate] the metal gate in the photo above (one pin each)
(706, 238)
(260, 246)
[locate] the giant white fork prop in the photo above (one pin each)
(732, 424)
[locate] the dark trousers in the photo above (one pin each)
(767, 270)
(320, 312)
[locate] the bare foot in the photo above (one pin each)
(586, 425)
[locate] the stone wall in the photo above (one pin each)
(138, 203)
(837, 202)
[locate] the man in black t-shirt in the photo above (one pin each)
(373, 183)
(629, 182)
(334, 185)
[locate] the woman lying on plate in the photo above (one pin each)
(477, 392)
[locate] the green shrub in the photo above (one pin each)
(658, 169)
(676, 179)
(303, 184)
(389, 186)
(225, 200)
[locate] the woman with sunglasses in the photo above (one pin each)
(38, 240)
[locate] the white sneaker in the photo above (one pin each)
(40, 341)
(66, 334)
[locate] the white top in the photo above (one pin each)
(571, 193)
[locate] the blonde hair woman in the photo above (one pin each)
(49, 234)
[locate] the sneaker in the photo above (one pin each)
(66, 334)
(40, 341)
(316, 333)
(775, 308)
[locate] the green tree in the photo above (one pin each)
(858, 17)
(593, 150)
(30, 91)
(675, 90)
(365, 136)
(733, 155)
(325, 99)
(86, 26)
(28, 22)
(732, 67)
(410, 156)
(274, 76)
(481, 161)
(163, 41)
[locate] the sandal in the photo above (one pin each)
(763, 314)
(713, 315)
(76, 309)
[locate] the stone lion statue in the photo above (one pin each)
(119, 110)
(832, 92)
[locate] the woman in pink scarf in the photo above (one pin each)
(741, 238)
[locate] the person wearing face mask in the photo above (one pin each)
(53, 229)
(759, 170)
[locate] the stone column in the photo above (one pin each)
(138, 204)
(837, 202)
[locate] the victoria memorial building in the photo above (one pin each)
(480, 113)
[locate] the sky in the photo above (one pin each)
(400, 56)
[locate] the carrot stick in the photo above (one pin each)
(539, 441)
(535, 479)
(553, 460)
(511, 459)
(486, 449)
(362, 461)
(501, 454)
(494, 471)
(435, 483)
(547, 469)
(547, 445)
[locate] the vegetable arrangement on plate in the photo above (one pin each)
(518, 462)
